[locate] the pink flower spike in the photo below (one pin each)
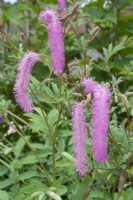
(23, 77)
(79, 138)
(89, 85)
(101, 103)
(62, 4)
(56, 39)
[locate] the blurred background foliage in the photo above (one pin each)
(36, 153)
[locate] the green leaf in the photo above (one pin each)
(38, 123)
(20, 145)
(3, 195)
(30, 159)
(108, 53)
(3, 170)
(57, 182)
(5, 183)
(52, 117)
(64, 164)
(68, 156)
(61, 189)
(110, 47)
(13, 15)
(7, 150)
(55, 88)
(96, 194)
(27, 175)
(38, 146)
(81, 189)
(61, 144)
(130, 170)
(49, 92)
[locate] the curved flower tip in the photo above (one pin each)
(62, 4)
(89, 85)
(101, 103)
(48, 16)
(79, 138)
(23, 77)
(56, 40)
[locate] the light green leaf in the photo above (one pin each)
(52, 117)
(27, 175)
(20, 145)
(3, 195)
(130, 170)
(3, 170)
(5, 183)
(55, 88)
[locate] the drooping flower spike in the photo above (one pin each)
(101, 107)
(23, 77)
(56, 40)
(79, 138)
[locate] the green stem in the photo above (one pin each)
(113, 139)
(45, 118)
(78, 39)
(28, 144)
(54, 142)
(4, 138)
(3, 162)
(104, 193)
(55, 132)
(20, 119)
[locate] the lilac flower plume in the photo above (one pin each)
(56, 40)
(101, 103)
(89, 85)
(62, 4)
(21, 86)
(79, 137)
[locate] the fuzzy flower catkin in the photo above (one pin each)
(21, 86)
(101, 103)
(79, 138)
(56, 40)
(62, 4)
(89, 85)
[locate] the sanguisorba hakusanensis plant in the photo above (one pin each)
(56, 40)
(22, 81)
(100, 94)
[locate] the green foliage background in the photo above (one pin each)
(36, 157)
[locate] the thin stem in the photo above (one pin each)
(113, 139)
(54, 135)
(28, 144)
(85, 57)
(104, 193)
(126, 104)
(45, 118)
(3, 162)
(8, 159)
(4, 138)
(20, 119)
(78, 40)
(54, 142)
